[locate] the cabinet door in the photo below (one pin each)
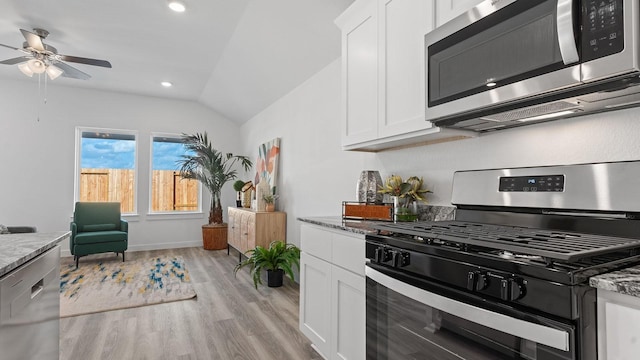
(315, 302)
(251, 231)
(348, 314)
(403, 24)
(244, 231)
(618, 326)
(233, 235)
(448, 9)
(359, 72)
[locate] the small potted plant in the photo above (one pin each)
(237, 186)
(270, 202)
(404, 194)
(277, 259)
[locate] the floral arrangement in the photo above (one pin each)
(408, 191)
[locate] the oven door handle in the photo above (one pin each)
(566, 36)
(545, 335)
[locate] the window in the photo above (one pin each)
(107, 167)
(169, 191)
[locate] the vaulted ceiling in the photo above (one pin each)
(234, 56)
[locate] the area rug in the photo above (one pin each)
(116, 285)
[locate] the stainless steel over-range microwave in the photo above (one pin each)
(506, 63)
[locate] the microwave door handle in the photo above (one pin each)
(566, 36)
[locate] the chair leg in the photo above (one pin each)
(123, 256)
(228, 247)
(77, 261)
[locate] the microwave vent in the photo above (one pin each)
(608, 95)
(532, 111)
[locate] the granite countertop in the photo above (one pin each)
(17, 249)
(336, 222)
(625, 281)
(425, 213)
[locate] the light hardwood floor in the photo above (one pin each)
(229, 319)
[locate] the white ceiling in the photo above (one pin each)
(234, 56)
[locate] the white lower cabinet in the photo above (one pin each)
(332, 292)
(315, 302)
(348, 312)
(618, 326)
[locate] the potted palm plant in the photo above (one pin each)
(213, 169)
(277, 259)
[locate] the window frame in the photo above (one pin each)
(169, 214)
(78, 163)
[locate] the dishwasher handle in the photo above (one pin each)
(37, 288)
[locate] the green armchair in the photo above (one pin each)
(97, 228)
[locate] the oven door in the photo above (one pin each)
(410, 318)
(499, 52)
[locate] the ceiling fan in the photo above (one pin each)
(40, 57)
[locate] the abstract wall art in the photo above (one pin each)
(267, 163)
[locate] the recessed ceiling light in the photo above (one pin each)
(166, 84)
(177, 6)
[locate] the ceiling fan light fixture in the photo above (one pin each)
(24, 67)
(53, 72)
(37, 66)
(177, 6)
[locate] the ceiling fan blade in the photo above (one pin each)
(15, 60)
(10, 47)
(72, 72)
(33, 40)
(81, 60)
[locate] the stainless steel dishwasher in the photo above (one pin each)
(30, 309)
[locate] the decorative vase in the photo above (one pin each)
(275, 277)
(262, 189)
(368, 185)
(403, 210)
(270, 207)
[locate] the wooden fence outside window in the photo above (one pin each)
(169, 191)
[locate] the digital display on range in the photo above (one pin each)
(546, 183)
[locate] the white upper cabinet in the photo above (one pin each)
(383, 75)
(359, 26)
(403, 24)
(448, 9)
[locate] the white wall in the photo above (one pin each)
(37, 157)
(316, 176)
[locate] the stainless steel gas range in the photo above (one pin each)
(508, 278)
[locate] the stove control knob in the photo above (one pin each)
(399, 258)
(382, 254)
(512, 289)
(476, 281)
(483, 282)
(472, 279)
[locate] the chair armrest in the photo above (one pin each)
(124, 225)
(74, 230)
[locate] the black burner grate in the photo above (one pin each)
(550, 244)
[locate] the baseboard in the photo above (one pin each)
(145, 247)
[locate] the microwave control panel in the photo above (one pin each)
(602, 28)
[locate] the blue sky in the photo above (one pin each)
(120, 154)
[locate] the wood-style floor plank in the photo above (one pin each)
(229, 319)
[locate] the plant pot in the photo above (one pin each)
(269, 207)
(275, 277)
(214, 236)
